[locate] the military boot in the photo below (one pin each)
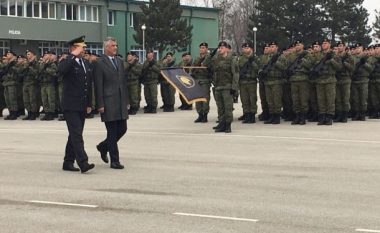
(169, 108)
(338, 117)
(276, 119)
(344, 117)
(252, 118)
(218, 125)
(269, 119)
(222, 127)
(27, 117)
(321, 119)
(328, 119)
(296, 120)
(1, 112)
(264, 116)
(12, 116)
(362, 116)
(302, 118)
(243, 117)
(204, 119)
(355, 116)
(228, 127)
(247, 118)
(49, 116)
(147, 109)
(199, 119)
(33, 116)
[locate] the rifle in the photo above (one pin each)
(290, 71)
(316, 70)
(264, 73)
(244, 69)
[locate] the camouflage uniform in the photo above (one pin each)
(300, 88)
(133, 72)
(48, 77)
(375, 87)
(2, 97)
(273, 90)
(204, 80)
(359, 87)
(287, 109)
(149, 78)
(343, 88)
(248, 66)
(225, 80)
(30, 89)
(10, 82)
(167, 91)
(263, 99)
(326, 88)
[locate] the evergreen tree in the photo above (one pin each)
(376, 25)
(165, 30)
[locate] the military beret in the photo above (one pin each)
(223, 43)
(77, 41)
(273, 43)
(169, 53)
(246, 45)
(358, 45)
(316, 43)
(203, 44)
(298, 42)
(29, 51)
(149, 51)
(326, 40)
(266, 45)
(310, 47)
(185, 54)
(11, 52)
(132, 53)
(21, 56)
(340, 43)
(229, 46)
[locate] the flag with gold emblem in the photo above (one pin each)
(187, 87)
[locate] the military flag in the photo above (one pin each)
(187, 87)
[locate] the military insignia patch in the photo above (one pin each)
(188, 82)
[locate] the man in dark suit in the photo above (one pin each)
(76, 102)
(111, 97)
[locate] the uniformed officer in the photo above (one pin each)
(375, 83)
(76, 102)
(167, 91)
(149, 78)
(359, 86)
(225, 81)
(2, 97)
(48, 77)
(264, 59)
(343, 85)
(186, 61)
(326, 83)
(203, 78)
(30, 86)
(133, 71)
(248, 72)
(10, 82)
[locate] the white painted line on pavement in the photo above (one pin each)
(62, 203)
(367, 230)
(217, 217)
(202, 134)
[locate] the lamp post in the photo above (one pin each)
(254, 29)
(143, 27)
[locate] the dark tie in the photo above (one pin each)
(81, 64)
(114, 63)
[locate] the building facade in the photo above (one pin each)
(47, 25)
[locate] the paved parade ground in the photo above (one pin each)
(181, 177)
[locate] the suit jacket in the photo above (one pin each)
(77, 84)
(111, 89)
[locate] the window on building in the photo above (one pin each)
(44, 10)
(111, 18)
(29, 9)
(134, 19)
(20, 8)
(12, 7)
(36, 10)
(95, 14)
(56, 46)
(4, 46)
(95, 48)
(52, 10)
(4, 7)
(79, 13)
(82, 13)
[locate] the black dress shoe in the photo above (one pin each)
(103, 153)
(84, 167)
(69, 167)
(117, 165)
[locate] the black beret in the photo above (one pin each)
(78, 40)
(132, 53)
(10, 51)
(169, 53)
(273, 43)
(298, 42)
(20, 56)
(266, 45)
(29, 51)
(340, 43)
(223, 43)
(326, 40)
(149, 51)
(358, 45)
(246, 45)
(185, 54)
(203, 44)
(316, 43)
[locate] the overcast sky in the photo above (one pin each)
(371, 6)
